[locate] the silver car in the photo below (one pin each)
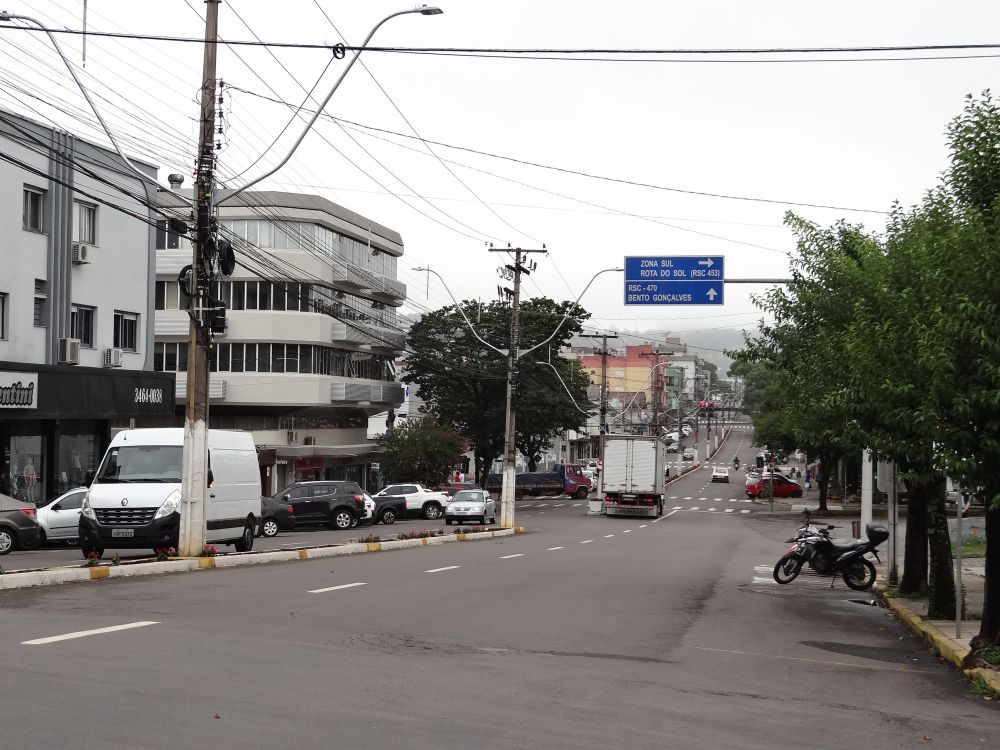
(60, 518)
(471, 505)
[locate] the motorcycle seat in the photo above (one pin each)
(845, 545)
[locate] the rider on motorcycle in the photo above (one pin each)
(736, 463)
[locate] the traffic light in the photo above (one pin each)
(760, 462)
(701, 408)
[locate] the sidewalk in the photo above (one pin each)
(941, 635)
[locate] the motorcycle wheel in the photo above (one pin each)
(859, 575)
(787, 568)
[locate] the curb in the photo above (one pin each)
(53, 576)
(932, 635)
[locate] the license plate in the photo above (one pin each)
(122, 532)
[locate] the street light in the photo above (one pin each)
(424, 10)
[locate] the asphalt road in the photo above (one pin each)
(585, 632)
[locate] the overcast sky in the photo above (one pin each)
(847, 134)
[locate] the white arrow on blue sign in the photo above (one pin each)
(675, 280)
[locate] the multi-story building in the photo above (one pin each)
(76, 306)
(312, 333)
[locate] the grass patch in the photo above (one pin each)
(971, 548)
(991, 655)
(981, 688)
(420, 534)
(371, 539)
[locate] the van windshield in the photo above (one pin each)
(141, 463)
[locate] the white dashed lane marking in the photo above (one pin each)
(508, 557)
(608, 536)
(85, 633)
(441, 570)
(553, 549)
(338, 588)
(586, 541)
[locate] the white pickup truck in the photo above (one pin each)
(420, 501)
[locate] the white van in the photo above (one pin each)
(134, 500)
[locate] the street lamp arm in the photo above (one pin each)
(424, 10)
(462, 311)
(5, 16)
(565, 387)
(606, 270)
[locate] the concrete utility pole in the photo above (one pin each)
(194, 477)
(507, 494)
(603, 431)
(656, 390)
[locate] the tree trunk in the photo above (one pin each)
(941, 574)
(989, 628)
(823, 481)
(914, 580)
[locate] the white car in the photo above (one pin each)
(59, 519)
(720, 474)
(686, 430)
(471, 505)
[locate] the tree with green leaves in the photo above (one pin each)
(464, 380)
(420, 450)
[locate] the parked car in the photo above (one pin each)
(450, 488)
(388, 508)
(18, 528)
(688, 454)
(277, 515)
(59, 519)
(673, 447)
(421, 502)
(720, 474)
(686, 430)
(471, 505)
(756, 485)
(339, 504)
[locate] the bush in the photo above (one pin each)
(420, 534)
(371, 539)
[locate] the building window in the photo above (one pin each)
(81, 324)
(126, 331)
(34, 209)
(85, 223)
(3, 315)
(41, 303)
(165, 239)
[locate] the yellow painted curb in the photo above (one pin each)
(460, 537)
(519, 530)
(303, 554)
(101, 571)
(206, 562)
(374, 546)
(423, 540)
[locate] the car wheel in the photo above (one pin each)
(432, 511)
(42, 538)
(388, 517)
(245, 542)
(7, 541)
(270, 527)
(342, 519)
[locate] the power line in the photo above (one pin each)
(577, 172)
(533, 50)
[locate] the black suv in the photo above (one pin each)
(337, 503)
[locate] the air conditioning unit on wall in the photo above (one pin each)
(309, 440)
(69, 351)
(293, 437)
(81, 253)
(113, 357)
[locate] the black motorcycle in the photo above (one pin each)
(832, 557)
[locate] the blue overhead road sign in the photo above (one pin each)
(674, 280)
(673, 292)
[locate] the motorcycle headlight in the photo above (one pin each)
(170, 505)
(85, 510)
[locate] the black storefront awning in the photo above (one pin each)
(74, 392)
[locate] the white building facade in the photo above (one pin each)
(76, 307)
(312, 334)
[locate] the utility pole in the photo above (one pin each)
(603, 431)
(514, 271)
(194, 479)
(656, 389)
